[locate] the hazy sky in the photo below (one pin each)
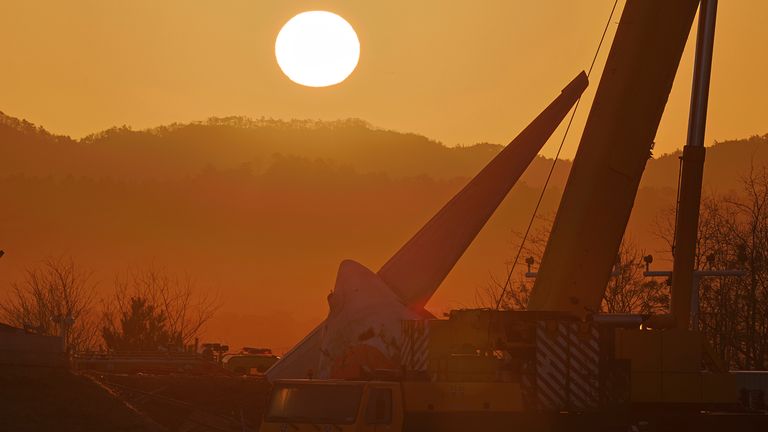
(457, 71)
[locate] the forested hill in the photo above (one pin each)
(182, 150)
(264, 210)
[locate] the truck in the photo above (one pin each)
(393, 406)
(505, 370)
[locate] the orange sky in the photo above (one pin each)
(460, 71)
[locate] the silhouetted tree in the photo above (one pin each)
(141, 327)
(152, 309)
(627, 290)
(733, 234)
(511, 291)
(55, 298)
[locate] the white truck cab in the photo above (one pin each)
(331, 405)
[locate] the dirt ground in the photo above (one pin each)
(193, 403)
(38, 399)
(49, 399)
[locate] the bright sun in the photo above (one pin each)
(317, 49)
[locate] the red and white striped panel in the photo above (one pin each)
(567, 366)
(415, 344)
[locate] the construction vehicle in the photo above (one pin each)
(250, 361)
(560, 365)
(543, 372)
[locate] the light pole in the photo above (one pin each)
(530, 274)
(696, 278)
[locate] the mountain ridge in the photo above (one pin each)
(184, 149)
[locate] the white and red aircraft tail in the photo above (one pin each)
(362, 330)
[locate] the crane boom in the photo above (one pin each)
(687, 223)
(616, 143)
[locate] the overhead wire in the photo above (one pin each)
(554, 163)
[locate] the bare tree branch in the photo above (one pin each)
(55, 298)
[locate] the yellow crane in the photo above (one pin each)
(560, 365)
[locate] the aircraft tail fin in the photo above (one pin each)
(418, 268)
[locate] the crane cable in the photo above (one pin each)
(554, 162)
(677, 201)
